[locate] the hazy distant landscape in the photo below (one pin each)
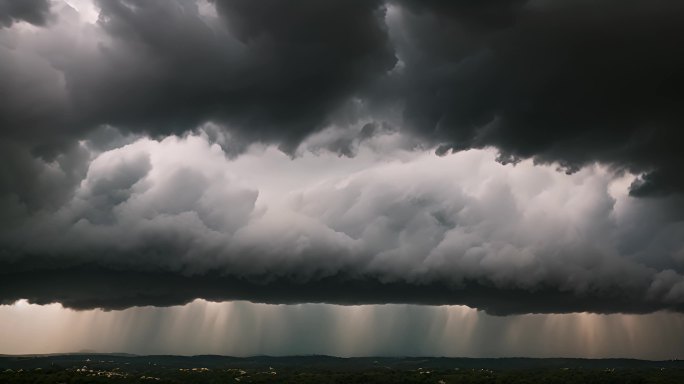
(123, 368)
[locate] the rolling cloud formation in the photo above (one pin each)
(154, 152)
(148, 227)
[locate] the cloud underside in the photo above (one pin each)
(152, 163)
(88, 288)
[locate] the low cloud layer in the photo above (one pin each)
(149, 227)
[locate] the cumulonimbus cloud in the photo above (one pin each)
(147, 227)
(105, 203)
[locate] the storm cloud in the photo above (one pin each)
(513, 156)
(273, 70)
(573, 82)
(34, 12)
(146, 227)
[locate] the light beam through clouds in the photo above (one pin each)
(246, 329)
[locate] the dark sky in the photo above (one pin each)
(512, 156)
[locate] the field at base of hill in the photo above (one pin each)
(123, 368)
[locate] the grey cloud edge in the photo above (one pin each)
(85, 288)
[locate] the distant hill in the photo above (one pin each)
(319, 362)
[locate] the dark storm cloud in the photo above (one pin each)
(557, 80)
(148, 227)
(272, 71)
(35, 12)
(96, 215)
(567, 81)
(268, 77)
(87, 288)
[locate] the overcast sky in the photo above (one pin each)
(469, 172)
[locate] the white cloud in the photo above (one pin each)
(400, 216)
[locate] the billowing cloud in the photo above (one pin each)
(31, 11)
(572, 82)
(147, 226)
(141, 163)
(272, 71)
(567, 81)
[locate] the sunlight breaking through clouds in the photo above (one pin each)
(247, 329)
